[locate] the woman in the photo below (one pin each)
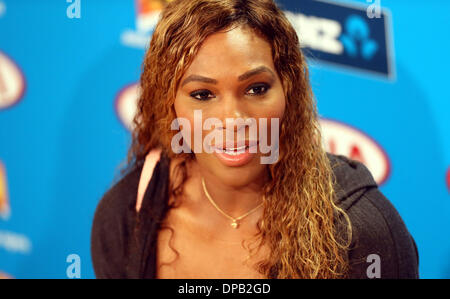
(194, 213)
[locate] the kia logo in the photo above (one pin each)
(342, 139)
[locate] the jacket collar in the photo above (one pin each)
(352, 179)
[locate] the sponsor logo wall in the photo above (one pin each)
(68, 90)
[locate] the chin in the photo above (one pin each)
(233, 176)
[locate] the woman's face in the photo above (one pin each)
(222, 83)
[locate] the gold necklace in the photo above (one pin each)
(234, 223)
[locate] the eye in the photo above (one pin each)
(203, 95)
(259, 89)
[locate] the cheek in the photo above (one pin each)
(279, 108)
(180, 108)
(184, 112)
(274, 111)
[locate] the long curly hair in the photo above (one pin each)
(306, 231)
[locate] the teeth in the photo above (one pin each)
(235, 151)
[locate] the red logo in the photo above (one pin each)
(448, 179)
(12, 82)
(125, 104)
(342, 139)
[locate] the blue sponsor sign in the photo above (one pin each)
(348, 35)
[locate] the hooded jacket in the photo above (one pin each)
(381, 246)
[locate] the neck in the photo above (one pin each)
(233, 200)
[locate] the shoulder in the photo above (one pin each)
(379, 233)
(379, 230)
(120, 197)
(113, 225)
(352, 178)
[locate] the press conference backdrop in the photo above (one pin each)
(68, 74)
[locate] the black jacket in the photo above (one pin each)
(377, 226)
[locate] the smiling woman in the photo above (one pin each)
(224, 214)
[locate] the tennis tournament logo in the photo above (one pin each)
(126, 104)
(342, 139)
(12, 82)
(147, 14)
(4, 201)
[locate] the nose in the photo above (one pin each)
(233, 108)
(235, 118)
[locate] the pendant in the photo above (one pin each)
(234, 224)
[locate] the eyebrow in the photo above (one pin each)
(244, 76)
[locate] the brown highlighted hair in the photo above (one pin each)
(307, 233)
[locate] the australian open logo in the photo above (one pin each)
(147, 16)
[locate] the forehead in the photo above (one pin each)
(234, 51)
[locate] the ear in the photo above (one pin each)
(147, 171)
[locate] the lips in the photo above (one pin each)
(234, 147)
(235, 155)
